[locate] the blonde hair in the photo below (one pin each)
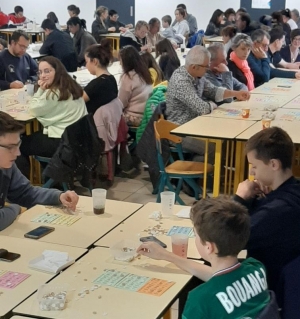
(100, 10)
(140, 24)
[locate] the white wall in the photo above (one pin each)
(292, 4)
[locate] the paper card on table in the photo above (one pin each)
(156, 287)
(110, 277)
(12, 279)
(181, 230)
(56, 219)
(132, 282)
(289, 116)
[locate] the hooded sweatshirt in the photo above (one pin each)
(275, 226)
(129, 38)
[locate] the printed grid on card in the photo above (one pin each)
(11, 279)
(56, 219)
(181, 230)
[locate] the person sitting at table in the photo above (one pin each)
(17, 17)
(52, 16)
(135, 85)
(73, 11)
(277, 21)
(276, 42)
(155, 71)
(258, 60)
(82, 39)
(137, 38)
(273, 201)
(229, 17)
(3, 44)
(103, 89)
(243, 23)
(3, 20)
(222, 228)
(219, 74)
(153, 36)
(215, 23)
(16, 66)
(290, 53)
(168, 58)
(228, 33)
(237, 62)
(112, 21)
(60, 45)
(99, 26)
(287, 18)
(181, 26)
(57, 104)
(186, 92)
(190, 19)
(14, 187)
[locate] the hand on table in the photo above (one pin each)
(152, 250)
(297, 75)
(16, 85)
(242, 95)
(69, 199)
(146, 47)
(248, 189)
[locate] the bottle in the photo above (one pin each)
(34, 25)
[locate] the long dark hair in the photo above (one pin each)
(132, 61)
(52, 16)
(62, 82)
(215, 17)
(101, 52)
(165, 47)
(151, 63)
(77, 21)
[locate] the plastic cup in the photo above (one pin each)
(167, 203)
(30, 89)
(180, 243)
(22, 97)
(245, 113)
(266, 123)
(182, 48)
(99, 199)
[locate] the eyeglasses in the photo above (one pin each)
(24, 47)
(46, 71)
(264, 45)
(206, 67)
(12, 147)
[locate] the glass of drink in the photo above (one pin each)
(167, 203)
(99, 199)
(180, 244)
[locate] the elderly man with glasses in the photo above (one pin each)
(16, 66)
(190, 95)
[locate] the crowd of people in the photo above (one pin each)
(251, 54)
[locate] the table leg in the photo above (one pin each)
(167, 315)
(36, 165)
(239, 164)
(118, 44)
(231, 167)
(205, 169)
(217, 168)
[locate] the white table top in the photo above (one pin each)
(214, 39)
(84, 232)
(278, 89)
(112, 34)
(113, 302)
(133, 228)
(35, 54)
(29, 250)
(293, 104)
(212, 127)
(26, 30)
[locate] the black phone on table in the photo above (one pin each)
(39, 232)
(8, 256)
(154, 239)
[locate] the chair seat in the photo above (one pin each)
(187, 168)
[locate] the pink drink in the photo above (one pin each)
(180, 245)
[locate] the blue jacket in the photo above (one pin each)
(17, 189)
(260, 69)
(275, 223)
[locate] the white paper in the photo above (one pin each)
(261, 4)
(184, 213)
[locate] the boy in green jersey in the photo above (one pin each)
(233, 290)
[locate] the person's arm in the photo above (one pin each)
(46, 47)
(260, 72)
(276, 73)
(128, 41)
(193, 25)
(8, 214)
(210, 30)
(125, 90)
(40, 104)
(33, 69)
(4, 85)
(85, 97)
(154, 251)
(98, 28)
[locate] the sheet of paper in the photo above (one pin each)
(292, 115)
(181, 230)
(156, 287)
(132, 282)
(110, 277)
(294, 104)
(279, 89)
(261, 4)
(56, 219)
(11, 279)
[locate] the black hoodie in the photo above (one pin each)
(275, 228)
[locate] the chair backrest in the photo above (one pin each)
(162, 129)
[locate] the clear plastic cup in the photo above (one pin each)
(30, 89)
(22, 97)
(180, 244)
(99, 199)
(167, 203)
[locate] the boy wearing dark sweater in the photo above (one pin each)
(273, 201)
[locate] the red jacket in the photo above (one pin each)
(3, 19)
(15, 19)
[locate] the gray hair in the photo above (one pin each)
(214, 49)
(196, 55)
(296, 12)
(258, 35)
(241, 39)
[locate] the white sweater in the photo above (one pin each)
(55, 115)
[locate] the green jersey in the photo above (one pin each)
(238, 294)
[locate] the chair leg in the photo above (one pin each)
(197, 189)
(65, 186)
(161, 187)
(171, 188)
(49, 183)
(109, 158)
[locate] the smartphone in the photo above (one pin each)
(8, 256)
(39, 232)
(154, 239)
(284, 86)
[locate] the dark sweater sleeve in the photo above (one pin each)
(128, 41)
(211, 30)
(261, 71)
(275, 73)
(46, 47)
(4, 85)
(33, 69)
(8, 214)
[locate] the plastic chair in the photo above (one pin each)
(186, 171)
(50, 182)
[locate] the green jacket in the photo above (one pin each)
(158, 95)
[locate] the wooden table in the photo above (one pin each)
(214, 130)
(133, 228)
(109, 302)
(115, 38)
(39, 33)
(84, 232)
(229, 111)
(29, 250)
